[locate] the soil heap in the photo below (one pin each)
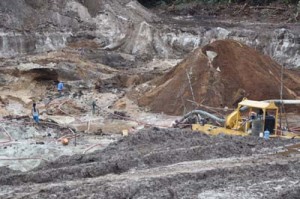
(219, 74)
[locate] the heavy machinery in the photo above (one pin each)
(250, 118)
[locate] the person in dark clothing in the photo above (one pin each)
(94, 107)
(35, 113)
(260, 113)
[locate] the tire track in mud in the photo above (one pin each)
(171, 180)
(161, 160)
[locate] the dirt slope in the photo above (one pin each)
(220, 74)
(260, 11)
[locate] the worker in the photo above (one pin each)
(35, 113)
(252, 115)
(60, 87)
(260, 114)
(94, 105)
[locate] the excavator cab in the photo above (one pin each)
(253, 117)
(250, 117)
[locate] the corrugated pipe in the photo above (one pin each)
(203, 113)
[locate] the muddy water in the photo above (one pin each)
(292, 150)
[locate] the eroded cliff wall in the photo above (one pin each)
(35, 26)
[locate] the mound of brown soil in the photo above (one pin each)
(219, 74)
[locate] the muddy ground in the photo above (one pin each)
(167, 163)
(154, 160)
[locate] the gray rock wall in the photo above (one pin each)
(13, 44)
(35, 26)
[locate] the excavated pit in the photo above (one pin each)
(109, 52)
(157, 162)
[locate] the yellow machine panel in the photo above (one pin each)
(237, 124)
(215, 130)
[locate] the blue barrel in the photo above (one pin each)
(267, 134)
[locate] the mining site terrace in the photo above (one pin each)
(131, 72)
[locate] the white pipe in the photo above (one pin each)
(278, 101)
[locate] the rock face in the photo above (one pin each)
(37, 26)
(219, 74)
(29, 27)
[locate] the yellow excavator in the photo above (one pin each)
(250, 118)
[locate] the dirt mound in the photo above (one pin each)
(219, 74)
